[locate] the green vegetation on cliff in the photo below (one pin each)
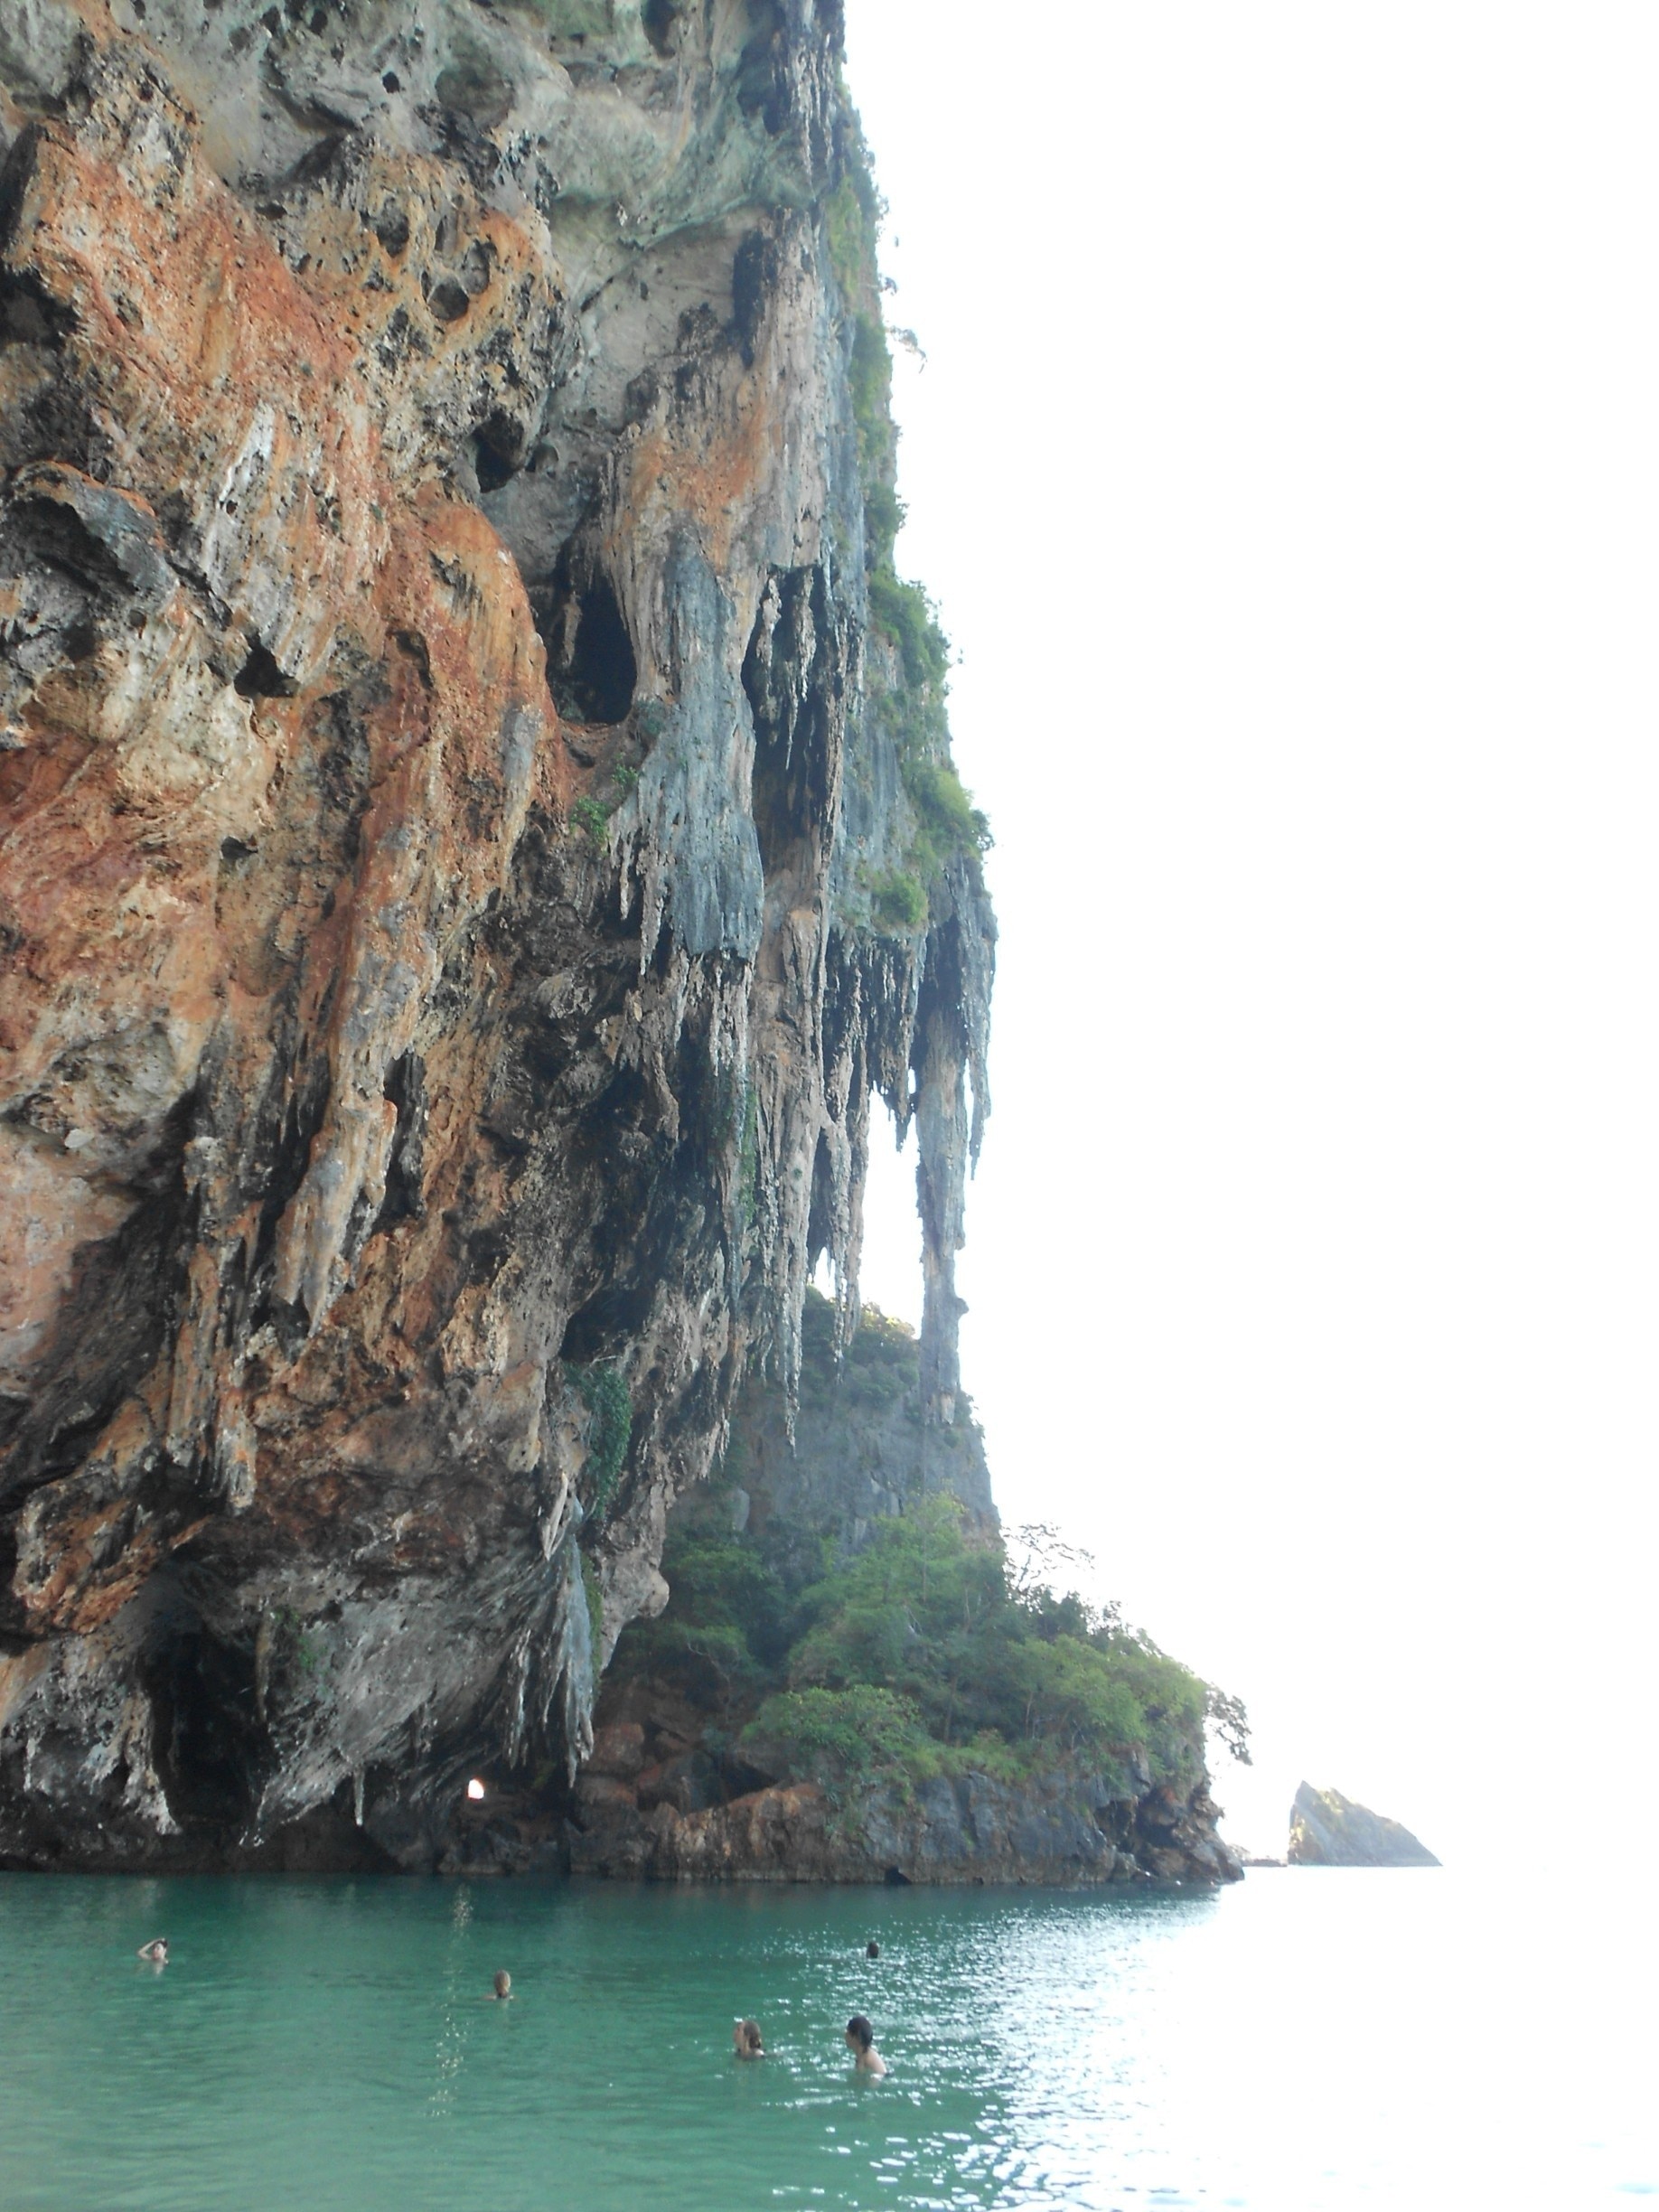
(927, 1651)
(906, 677)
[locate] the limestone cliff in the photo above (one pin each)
(476, 831)
(1328, 1829)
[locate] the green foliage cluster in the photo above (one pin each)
(870, 379)
(884, 518)
(589, 818)
(881, 1364)
(926, 1652)
(905, 616)
(899, 902)
(589, 815)
(931, 1614)
(307, 1651)
(852, 223)
(596, 1603)
(855, 1733)
(884, 1361)
(950, 822)
(604, 1390)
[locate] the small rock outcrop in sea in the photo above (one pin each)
(1328, 1829)
(477, 834)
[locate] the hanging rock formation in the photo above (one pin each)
(470, 854)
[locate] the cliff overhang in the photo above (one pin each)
(451, 790)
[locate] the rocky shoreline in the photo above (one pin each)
(1056, 1829)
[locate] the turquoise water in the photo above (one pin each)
(1307, 2040)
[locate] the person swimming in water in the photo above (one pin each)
(872, 1949)
(155, 1951)
(746, 2039)
(861, 2042)
(503, 1987)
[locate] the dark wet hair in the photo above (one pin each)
(860, 2030)
(872, 1949)
(750, 2032)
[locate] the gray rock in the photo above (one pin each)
(1328, 1829)
(428, 463)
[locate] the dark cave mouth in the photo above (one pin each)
(592, 671)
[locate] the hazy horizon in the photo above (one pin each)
(1283, 465)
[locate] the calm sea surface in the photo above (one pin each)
(1307, 2039)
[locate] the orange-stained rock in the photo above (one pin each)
(438, 826)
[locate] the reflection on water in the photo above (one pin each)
(1309, 2042)
(451, 2036)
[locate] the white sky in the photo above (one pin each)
(1286, 465)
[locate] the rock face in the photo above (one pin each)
(861, 1446)
(1328, 1829)
(459, 834)
(970, 1829)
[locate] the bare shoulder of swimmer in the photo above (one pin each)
(746, 2039)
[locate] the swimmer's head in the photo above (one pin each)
(859, 2033)
(872, 1949)
(747, 2038)
(503, 1984)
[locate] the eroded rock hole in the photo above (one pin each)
(498, 453)
(406, 1088)
(658, 18)
(29, 316)
(449, 299)
(790, 678)
(591, 667)
(755, 276)
(209, 1740)
(605, 1325)
(260, 677)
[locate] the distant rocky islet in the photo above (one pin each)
(1328, 1829)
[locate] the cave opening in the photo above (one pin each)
(788, 686)
(605, 1325)
(498, 450)
(208, 1742)
(591, 668)
(262, 677)
(658, 18)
